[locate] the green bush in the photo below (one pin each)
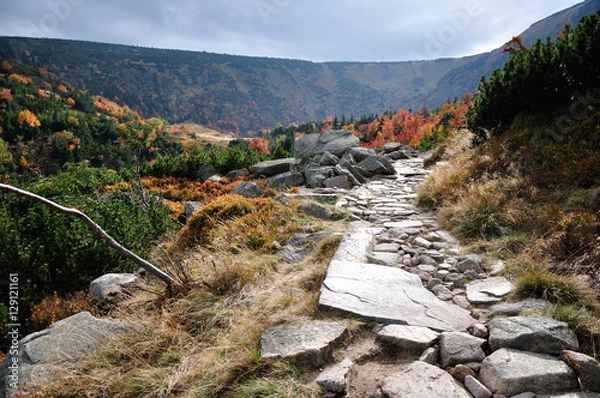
(53, 252)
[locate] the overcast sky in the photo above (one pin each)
(314, 30)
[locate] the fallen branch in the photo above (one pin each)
(97, 230)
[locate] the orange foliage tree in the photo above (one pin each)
(27, 120)
(260, 146)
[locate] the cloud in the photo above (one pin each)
(332, 30)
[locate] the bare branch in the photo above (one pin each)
(97, 230)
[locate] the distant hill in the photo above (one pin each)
(238, 93)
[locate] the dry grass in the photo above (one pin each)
(203, 342)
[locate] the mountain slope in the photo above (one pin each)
(240, 93)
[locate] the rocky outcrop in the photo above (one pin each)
(41, 355)
(331, 159)
(208, 172)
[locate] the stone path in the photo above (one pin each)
(397, 269)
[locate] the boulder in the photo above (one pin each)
(336, 142)
(460, 372)
(312, 209)
(347, 160)
(513, 309)
(469, 265)
(340, 182)
(237, 174)
(356, 172)
(316, 175)
(398, 155)
(490, 290)
(42, 355)
(189, 207)
(511, 372)
(423, 380)
(534, 334)
(412, 339)
(587, 369)
(460, 348)
(392, 147)
(389, 295)
(335, 379)
(360, 154)
(110, 285)
(377, 165)
(309, 344)
(272, 167)
(248, 189)
(207, 172)
(285, 181)
(329, 159)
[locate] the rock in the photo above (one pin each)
(512, 372)
(534, 334)
(423, 259)
(110, 284)
(477, 389)
(206, 172)
(360, 154)
(387, 248)
(316, 174)
(498, 268)
(275, 246)
(479, 330)
(335, 379)
(42, 355)
(329, 159)
(587, 369)
(336, 142)
(357, 172)
(388, 294)
(383, 258)
(404, 225)
(460, 372)
(397, 155)
(341, 182)
(312, 209)
(459, 347)
(412, 339)
(392, 147)
(422, 242)
(442, 292)
(377, 165)
(513, 309)
(469, 265)
(272, 167)
(237, 174)
(462, 302)
(286, 180)
(423, 380)
(292, 254)
(309, 344)
(189, 207)
(487, 291)
(430, 356)
(355, 247)
(576, 394)
(248, 189)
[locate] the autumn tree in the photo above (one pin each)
(28, 120)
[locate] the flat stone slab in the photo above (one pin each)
(384, 258)
(511, 372)
(422, 380)
(513, 309)
(414, 339)
(309, 344)
(357, 245)
(534, 334)
(388, 295)
(487, 291)
(42, 355)
(409, 224)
